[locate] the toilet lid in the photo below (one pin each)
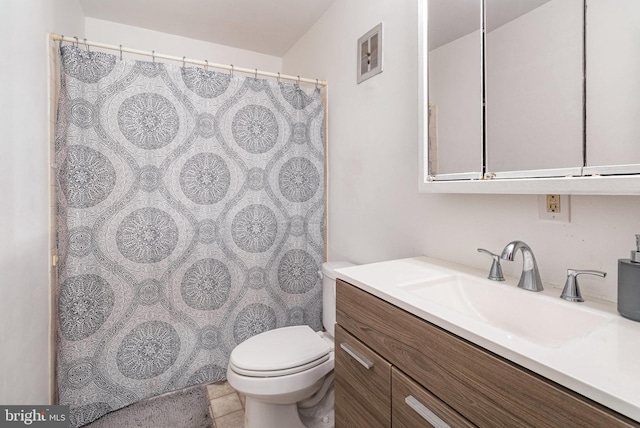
(276, 352)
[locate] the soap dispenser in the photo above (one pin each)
(629, 284)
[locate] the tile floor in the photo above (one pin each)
(227, 406)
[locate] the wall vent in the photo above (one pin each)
(370, 54)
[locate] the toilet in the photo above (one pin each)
(282, 369)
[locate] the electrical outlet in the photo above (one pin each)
(554, 208)
(553, 203)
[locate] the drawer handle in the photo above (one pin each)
(425, 413)
(359, 358)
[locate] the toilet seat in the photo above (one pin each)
(280, 352)
(276, 373)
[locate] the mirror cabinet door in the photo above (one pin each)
(613, 86)
(455, 88)
(534, 87)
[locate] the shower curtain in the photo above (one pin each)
(190, 207)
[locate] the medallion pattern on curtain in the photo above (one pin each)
(190, 209)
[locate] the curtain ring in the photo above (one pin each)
(256, 75)
(278, 77)
(183, 58)
(153, 55)
(298, 81)
(120, 52)
(317, 84)
(87, 45)
(231, 71)
(206, 64)
(76, 40)
(60, 41)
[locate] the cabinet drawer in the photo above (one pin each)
(362, 384)
(414, 406)
(486, 389)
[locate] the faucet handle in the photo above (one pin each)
(571, 291)
(495, 273)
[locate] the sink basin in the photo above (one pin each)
(532, 316)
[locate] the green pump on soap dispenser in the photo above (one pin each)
(629, 284)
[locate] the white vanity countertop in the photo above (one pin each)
(603, 365)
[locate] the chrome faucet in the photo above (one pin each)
(530, 278)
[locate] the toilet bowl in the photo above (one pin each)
(279, 369)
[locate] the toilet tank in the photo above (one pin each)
(329, 294)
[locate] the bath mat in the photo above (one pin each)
(185, 408)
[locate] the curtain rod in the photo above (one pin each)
(205, 63)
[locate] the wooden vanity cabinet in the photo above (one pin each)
(362, 384)
(463, 384)
(414, 406)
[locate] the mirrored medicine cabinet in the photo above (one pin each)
(530, 96)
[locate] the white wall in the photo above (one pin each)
(24, 215)
(374, 207)
(376, 212)
(140, 38)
